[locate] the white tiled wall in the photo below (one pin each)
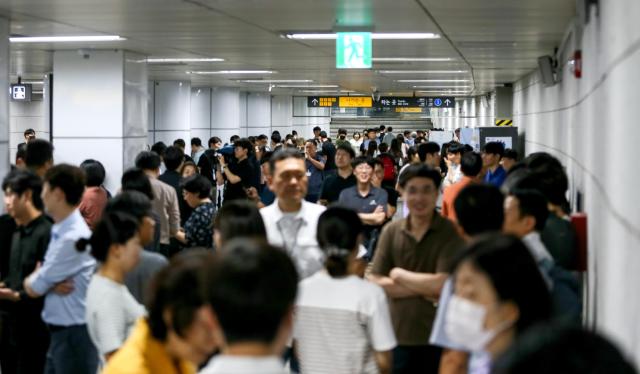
(591, 125)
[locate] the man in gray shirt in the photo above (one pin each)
(368, 201)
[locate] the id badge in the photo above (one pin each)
(308, 173)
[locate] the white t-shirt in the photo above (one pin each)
(340, 323)
(111, 313)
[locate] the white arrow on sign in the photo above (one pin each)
(314, 101)
(447, 102)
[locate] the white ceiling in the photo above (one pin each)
(496, 41)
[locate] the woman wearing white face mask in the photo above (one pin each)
(499, 293)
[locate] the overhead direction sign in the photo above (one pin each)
(384, 102)
(354, 50)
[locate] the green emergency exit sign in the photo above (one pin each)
(353, 50)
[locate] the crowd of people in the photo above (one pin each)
(382, 253)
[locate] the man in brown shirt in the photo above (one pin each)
(411, 264)
(165, 200)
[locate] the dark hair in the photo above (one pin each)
(173, 157)
(338, 232)
(132, 202)
(514, 275)
(186, 164)
(510, 153)
(148, 160)
(135, 179)
(419, 171)
(496, 148)
(180, 143)
(372, 148)
(455, 147)
(181, 288)
(283, 154)
(389, 129)
(346, 148)
(196, 141)
(532, 203)
(471, 164)
(70, 179)
(19, 181)
(479, 209)
(112, 229)
(550, 176)
(317, 128)
(427, 148)
(213, 140)
(562, 349)
(253, 289)
(312, 141)
(383, 147)
(239, 219)
(197, 184)
(263, 137)
(95, 172)
(159, 149)
(243, 143)
(39, 152)
(233, 138)
(266, 156)
(382, 127)
(252, 139)
(29, 132)
(294, 132)
(276, 138)
(362, 160)
(342, 131)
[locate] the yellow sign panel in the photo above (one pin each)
(355, 102)
(408, 110)
(327, 101)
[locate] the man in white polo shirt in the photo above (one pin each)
(291, 221)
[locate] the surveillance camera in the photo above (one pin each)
(84, 53)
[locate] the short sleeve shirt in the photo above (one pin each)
(352, 199)
(198, 229)
(333, 185)
(315, 175)
(244, 171)
(413, 317)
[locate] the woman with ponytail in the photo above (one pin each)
(111, 310)
(342, 322)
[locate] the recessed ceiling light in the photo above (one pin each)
(411, 59)
(269, 81)
(433, 80)
(327, 91)
(33, 82)
(422, 71)
(308, 86)
(65, 39)
(231, 72)
(387, 36)
(443, 92)
(180, 60)
(452, 87)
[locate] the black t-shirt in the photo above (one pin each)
(392, 196)
(244, 171)
(329, 150)
(333, 185)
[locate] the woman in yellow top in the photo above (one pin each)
(178, 334)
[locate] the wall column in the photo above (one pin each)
(99, 109)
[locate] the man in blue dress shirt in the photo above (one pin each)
(71, 349)
(491, 156)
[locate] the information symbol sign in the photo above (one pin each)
(437, 102)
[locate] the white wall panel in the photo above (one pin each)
(88, 98)
(258, 111)
(136, 97)
(201, 113)
(590, 124)
(172, 108)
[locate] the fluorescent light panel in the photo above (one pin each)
(271, 81)
(380, 36)
(451, 87)
(179, 60)
(422, 71)
(308, 86)
(327, 91)
(65, 39)
(411, 59)
(231, 72)
(433, 80)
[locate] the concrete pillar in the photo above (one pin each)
(227, 112)
(5, 158)
(99, 109)
(282, 114)
(200, 118)
(258, 114)
(172, 110)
